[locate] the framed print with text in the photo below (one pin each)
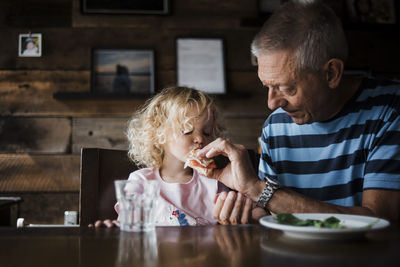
(201, 64)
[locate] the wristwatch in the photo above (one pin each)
(269, 189)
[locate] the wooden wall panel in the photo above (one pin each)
(245, 131)
(25, 93)
(205, 14)
(110, 132)
(35, 13)
(30, 93)
(254, 105)
(375, 51)
(99, 132)
(34, 135)
(39, 173)
(70, 49)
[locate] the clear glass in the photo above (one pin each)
(136, 201)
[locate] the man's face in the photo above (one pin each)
(303, 96)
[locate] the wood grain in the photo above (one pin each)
(34, 135)
(34, 13)
(110, 132)
(99, 133)
(39, 173)
(30, 93)
(245, 131)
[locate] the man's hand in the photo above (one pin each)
(234, 208)
(239, 174)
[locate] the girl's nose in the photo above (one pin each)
(199, 139)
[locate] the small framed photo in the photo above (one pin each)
(30, 45)
(201, 64)
(122, 71)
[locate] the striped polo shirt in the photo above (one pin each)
(335, 160)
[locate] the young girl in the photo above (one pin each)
(161, 136)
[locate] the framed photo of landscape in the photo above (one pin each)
(122, 71)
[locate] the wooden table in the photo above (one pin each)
(191, 246)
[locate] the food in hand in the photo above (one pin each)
(203, 165)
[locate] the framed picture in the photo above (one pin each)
(126, 6)
(122, 71)
(201, 64)
(30, 45)
(375, 12)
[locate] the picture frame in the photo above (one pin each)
(371, 12)
(160, 7)
(201, 64)
(122, 71)
(30, 45)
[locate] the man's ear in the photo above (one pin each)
(333, 72)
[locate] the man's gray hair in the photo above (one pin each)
(308, 28)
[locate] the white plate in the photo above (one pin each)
(355, 225)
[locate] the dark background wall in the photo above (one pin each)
(41, 136)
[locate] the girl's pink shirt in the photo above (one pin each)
(194, 199)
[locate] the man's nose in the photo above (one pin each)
(275, 99)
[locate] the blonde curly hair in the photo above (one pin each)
(168, 109)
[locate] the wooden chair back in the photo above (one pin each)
(98, 170)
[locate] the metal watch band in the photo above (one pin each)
(266, 194)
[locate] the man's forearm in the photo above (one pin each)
(287, 201)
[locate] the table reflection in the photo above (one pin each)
(137, 248)
(278, 248)
(191, 246)
(199, 246)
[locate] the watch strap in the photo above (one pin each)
(269, 189)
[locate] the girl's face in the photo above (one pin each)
(179, 145)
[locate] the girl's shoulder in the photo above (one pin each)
(212, 183)
(147, 173)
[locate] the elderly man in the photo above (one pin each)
(332, 143)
